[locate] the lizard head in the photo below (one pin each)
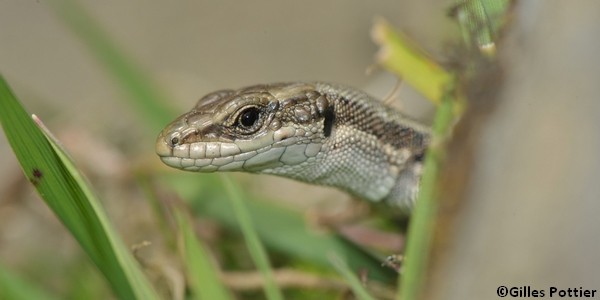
(254, 129)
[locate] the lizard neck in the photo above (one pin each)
(370, 150)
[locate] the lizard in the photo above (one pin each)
(315, 132)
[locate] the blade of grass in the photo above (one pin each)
(420, 230)
(359, 291)
(65, 191)
(201, 272)
(255, 247)
(399, 55)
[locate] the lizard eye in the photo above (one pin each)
(248, 117)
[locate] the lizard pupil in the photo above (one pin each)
(249, 117)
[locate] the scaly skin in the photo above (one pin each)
(313, 132)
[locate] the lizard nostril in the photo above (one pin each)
(174, 141)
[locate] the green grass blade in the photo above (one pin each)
(64, 190)
(399, 55)
(421, 226)
(202, 274)
(13, 287)
(255, 247)
(146, 98)
(359, 291)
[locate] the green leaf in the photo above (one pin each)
(420, 230)
(201, 272)
(359, 291)
(255, 247)
(66, 192)
(400, 56)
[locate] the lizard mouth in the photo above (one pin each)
(269, 151)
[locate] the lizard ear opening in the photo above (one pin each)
(328, 120)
